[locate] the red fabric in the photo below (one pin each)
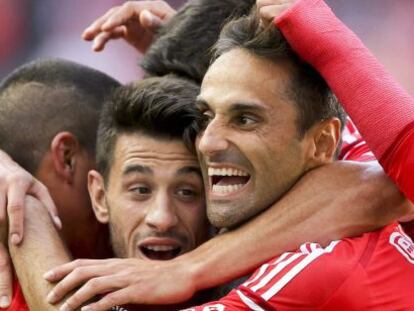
(372, 272)
(381, 109)
(354, 148)
(18, 301)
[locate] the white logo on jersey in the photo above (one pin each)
(217, 307)
(403, 244)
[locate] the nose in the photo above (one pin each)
(162, 215)
(213, 139)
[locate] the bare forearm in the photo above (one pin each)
(345, 199)
(41, 250)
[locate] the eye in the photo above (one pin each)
(246, 120)
(140, 190)
(187, 194)
(206, 117)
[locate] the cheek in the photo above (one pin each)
(193, 219)
(127, 218)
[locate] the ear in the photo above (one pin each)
(96, 189)
(325, 137)
(64, 149)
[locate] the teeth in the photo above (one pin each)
(160, 248)
(226, 189)
(226, 172)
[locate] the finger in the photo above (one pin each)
(260, 3)
(149, 20)
(5, 278)
(58, 273)
(268, 13)
(102, 39)
(133, 9)
(16, 196)
(96, 286)
(95, 28)
(74, 279)
(117, 298)
(39, 191)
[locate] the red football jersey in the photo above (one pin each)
(371, 272)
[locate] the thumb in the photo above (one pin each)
(149, 20)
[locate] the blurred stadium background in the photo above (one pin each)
(30, 29)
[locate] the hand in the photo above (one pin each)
(134, 21)
(15, 184)
(6, 275)
(270, 9)
(128, 281)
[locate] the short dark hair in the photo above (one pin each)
(45, 97)
(160, 107)
(314, 99)
(183, 45)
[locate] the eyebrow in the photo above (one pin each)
(251, 106)
(188, 170)
(142, 169)
(243, 106)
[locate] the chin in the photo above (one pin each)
(224, 218)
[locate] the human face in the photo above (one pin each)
(250, 151)
(155, 198)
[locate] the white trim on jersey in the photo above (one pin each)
(263, 269)
(310, 252)
(248, 302)
(331, 246)
(309, 248)
(291, 274)
(278, 268)
(304, 248)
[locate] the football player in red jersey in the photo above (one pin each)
(167, 295)
(369, 272)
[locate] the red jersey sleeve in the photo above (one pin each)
(18, 302)
(381, 109)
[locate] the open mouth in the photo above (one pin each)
(160, 252)
(227, 180)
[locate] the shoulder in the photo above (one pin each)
(308, 277)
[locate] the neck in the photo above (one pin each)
(91, 240)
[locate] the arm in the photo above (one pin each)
(15, 183)
(41, 250)
(368, 92)
(289, 223)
